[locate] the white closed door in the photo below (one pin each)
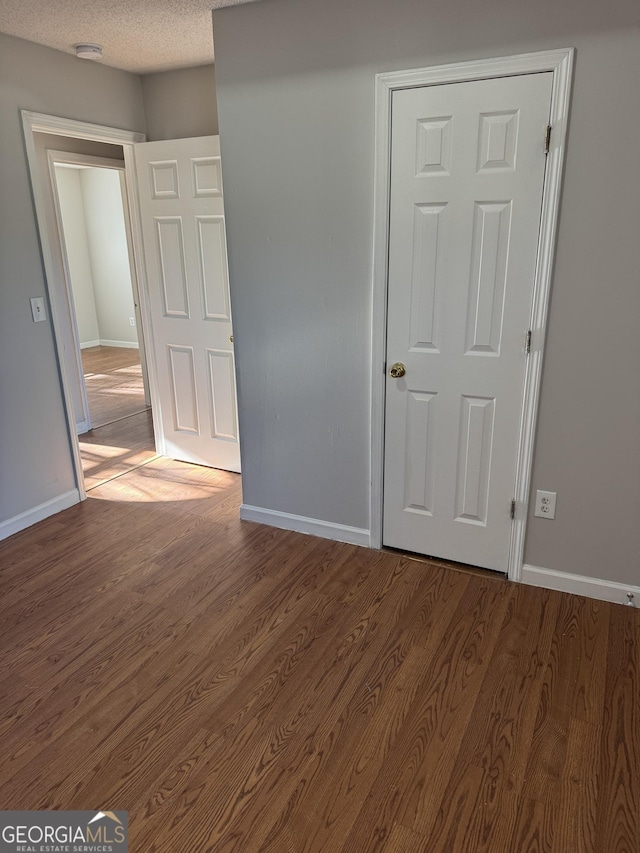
(183, 229)
(467, 172)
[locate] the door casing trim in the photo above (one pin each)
(33, 122)
(560, 62)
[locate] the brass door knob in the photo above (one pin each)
(398, 370)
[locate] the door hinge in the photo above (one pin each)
(527, 342)
(512, 511)
(547, 139)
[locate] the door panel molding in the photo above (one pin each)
(183, 235)
(560, 63)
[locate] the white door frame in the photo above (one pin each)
(560, 63)
(40, 123)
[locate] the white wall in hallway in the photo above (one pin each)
(109, 254)
(77, 249)
(96, 245)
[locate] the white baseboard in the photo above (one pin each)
(580, 585)
(88, 344)
(123, 344)
(38, 513)
(302, 524)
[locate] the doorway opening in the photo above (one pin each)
(107, 451)
(113, 418)
(172, 194)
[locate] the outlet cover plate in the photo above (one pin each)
(545, 504)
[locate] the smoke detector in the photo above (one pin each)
(88, 51)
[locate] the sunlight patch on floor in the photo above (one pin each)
(137, 491)
(162, 480)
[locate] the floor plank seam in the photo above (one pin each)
(117, 420)
(122, 473)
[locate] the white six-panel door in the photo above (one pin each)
(467, 171)
(183, 227)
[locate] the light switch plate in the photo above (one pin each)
(37, 309)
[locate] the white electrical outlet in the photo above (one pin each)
(132, 321)
(546, 504)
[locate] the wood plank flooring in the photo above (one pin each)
(113, 379)
(115, 448)
(122, 434)
(241, 688)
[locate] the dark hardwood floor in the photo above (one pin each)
(241, 688)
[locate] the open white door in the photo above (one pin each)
(183, 229)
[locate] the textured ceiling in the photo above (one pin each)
(137, 35)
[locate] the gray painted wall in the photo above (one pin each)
(180, 103)
(295, 97)
(35, 461)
